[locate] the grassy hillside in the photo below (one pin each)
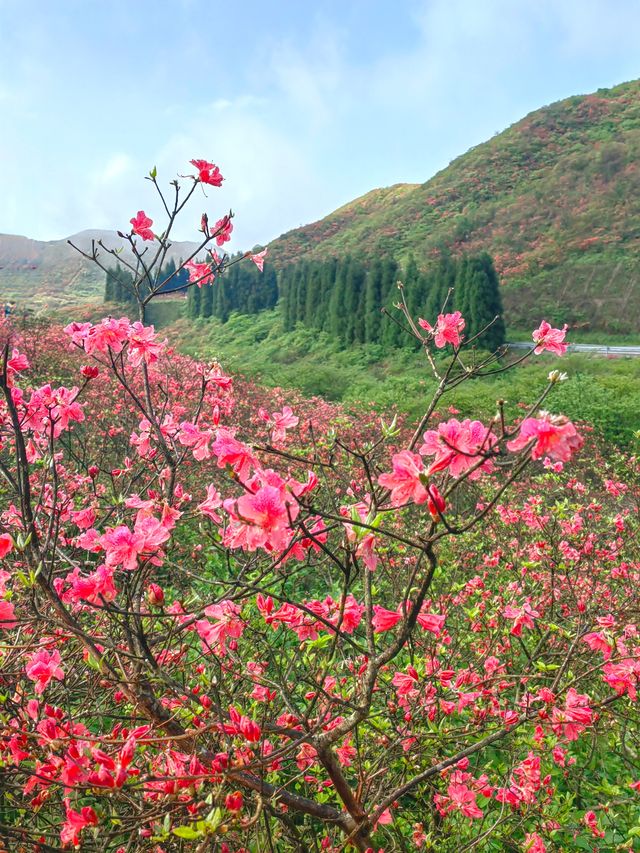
(604, 392)
(40, 276)
(555, 198)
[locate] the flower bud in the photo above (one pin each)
(233, 802)
(557, 376)
(155, 595)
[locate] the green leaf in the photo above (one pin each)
(186, 832)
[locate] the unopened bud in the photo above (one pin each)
(557, 376)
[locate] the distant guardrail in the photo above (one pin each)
(596, 349)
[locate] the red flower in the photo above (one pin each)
(233, 802)
(208, 173)
(142, 226)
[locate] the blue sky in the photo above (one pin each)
(303, 105)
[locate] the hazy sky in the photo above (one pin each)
(304, 104)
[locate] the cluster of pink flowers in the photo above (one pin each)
(114, 335)
(448, 329)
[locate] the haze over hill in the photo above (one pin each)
(554, 198)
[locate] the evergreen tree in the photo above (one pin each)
(485, 305)
(193, 301)
(373, 302)
(206, 300)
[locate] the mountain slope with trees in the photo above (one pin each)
(554, 199)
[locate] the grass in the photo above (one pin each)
(604, 392)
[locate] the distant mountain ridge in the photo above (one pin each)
(555, 199)
(40, 274)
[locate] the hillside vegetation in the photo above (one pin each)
(603, 392)
(554, 199)
(41, 275)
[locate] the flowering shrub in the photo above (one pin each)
(238, 627)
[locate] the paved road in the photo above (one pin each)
(597, 349)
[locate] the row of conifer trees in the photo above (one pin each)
(356, 304)
(353, 302)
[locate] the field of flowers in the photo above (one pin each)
(236, 619)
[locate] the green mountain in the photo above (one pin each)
(555, 199)
(38, 275)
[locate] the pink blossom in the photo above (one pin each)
(460, 798)
(448, 329)
(522, 617)
(591, 822)
(212, 502)
(404, 481)
(93, 588)
(623, 677)
(459, 446)
(208, 173)
(383, 619)
(550, 339)
(432, 622)
(222, 230)
(571, 720)
(6, 545)
(281, 422)
(258, 259)
(143, 345)
(75, 823)
(198, 440)
(266, 509)
(597, 641)
(227, 624)
(199, 273)
(42, 667)
(108, 334)
(7, 615)
(554, 436)
(142, 226)
(232, 452)
(534, 844)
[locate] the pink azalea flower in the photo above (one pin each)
(232, 452)
(42, 667)
(550, 339)
(534, 844)
(143, 345)
(6, 545)
(554, 436)
(460, 798)
(404, 481)
(7, 615)
(108, 334)
(432, 622)
(209, 506)
(448, 329)
(94, 588)
(222, 230)
(623, 677)
(383, 619)
(75, 823)
(458, 446)
(199, 273)
(142, 226)
(208, 173)
(571, 720)
(266, 509)
(258, 259)
(522, 617)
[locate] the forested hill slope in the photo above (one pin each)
(555, 199)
